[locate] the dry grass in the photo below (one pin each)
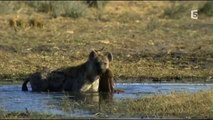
(23, 115)
(182, 105)
(144, 43)
(174, 105)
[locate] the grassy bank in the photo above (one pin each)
(149, 40)
(26, 115)
(174, 105)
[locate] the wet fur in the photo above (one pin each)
(81, 78)
(106, 82)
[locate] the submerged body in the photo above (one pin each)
(81, 78)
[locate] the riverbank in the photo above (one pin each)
(174, 105)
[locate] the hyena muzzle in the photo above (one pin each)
(81, 78)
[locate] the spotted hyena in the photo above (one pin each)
(81, 78)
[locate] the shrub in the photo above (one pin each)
(41, 6)
(9, 6)
(96, 4)
(207, 8)
(175, 10)
(73, 9)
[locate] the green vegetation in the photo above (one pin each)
(174, 105)
(31, 115)
(73, 9)
(207, 8)
(182, 105)
(176, 9)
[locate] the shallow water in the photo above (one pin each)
(13, 99)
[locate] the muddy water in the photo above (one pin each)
(13, 99)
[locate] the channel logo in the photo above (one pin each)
(194, 14)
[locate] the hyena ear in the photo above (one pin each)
(92, 55)
(109, 56)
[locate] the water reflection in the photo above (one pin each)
(13, 99)
(89, 98)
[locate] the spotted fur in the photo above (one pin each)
(81, 78)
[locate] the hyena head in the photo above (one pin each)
(99, 62)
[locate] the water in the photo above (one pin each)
(13, 99)
(135, 90)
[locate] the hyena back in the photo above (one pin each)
(81, 78)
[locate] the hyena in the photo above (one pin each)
(81, 78)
